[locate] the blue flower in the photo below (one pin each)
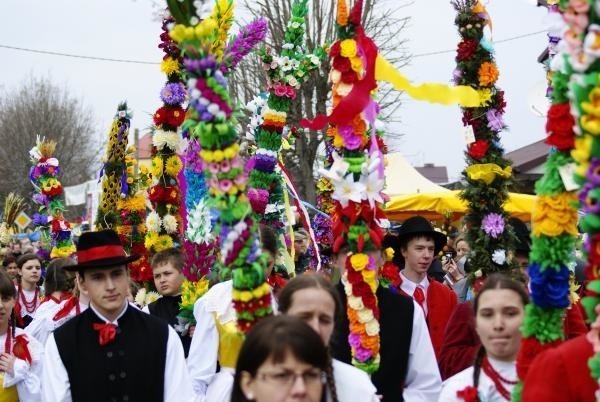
(549, 288)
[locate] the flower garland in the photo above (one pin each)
(212, 125)
(190, 292)
(163, 223)
(580, 45)
(488, 172)
(113, 172)
(285, 75)
(44, 177)
(357, 177)
(554, 227)
(131, 226)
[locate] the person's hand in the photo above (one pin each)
(452, 269)
(7, 363)
(191, 330)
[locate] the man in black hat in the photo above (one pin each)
(418, 244)
(112, 351)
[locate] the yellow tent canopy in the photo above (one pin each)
(433, 206)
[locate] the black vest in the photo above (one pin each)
(129, 368)
(167, 308)
(396, 325)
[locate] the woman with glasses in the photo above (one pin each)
(282, 360)
(315, 301)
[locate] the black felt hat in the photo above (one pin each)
(418, 225)
(101, 249)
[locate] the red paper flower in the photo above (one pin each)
(335, 49)
(349, 77)
(156, 193)
(469, 120)
(468, 394)
(500, 102)
(389, 271)
(478, 149)
(342, 64)
(559, 127)
(171, 116)
(466, 49)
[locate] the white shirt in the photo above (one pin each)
(43, 323)
(423, 381)
(177, 383)
(486, 389)
(409, 288)
(27, 378)
(352, 384)
(29, 298)
(204, 349)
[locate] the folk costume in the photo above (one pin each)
(352, 384)
(496, 382)
(562, 374)
(437, 300)
(47, 319)
(26, 305)
(24, 384)
(135, 357)
(216, 339)
(407, 370)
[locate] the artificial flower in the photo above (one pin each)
(488, 74)
(173, 93)
(173, 165)
(466, 49)
(169, 139)
(478, 149)
(499, 257)
(549, 287)
(169, 66)
(487, 172)
(169, 223)
(373, 187)
(157, 166)
(153, 222)
(493, 225)
(559, 126)
(348, 190)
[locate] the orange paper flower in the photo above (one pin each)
(488, 74)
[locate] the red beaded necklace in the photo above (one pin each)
(29, 306)
(8, 342)
(497, 379)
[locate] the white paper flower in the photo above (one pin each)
(153, 222)
(162, 139)
(372, 327)
(365, 315)
(499, 257)
(151, 297)
(169, 223)
(373, 187)
(348, 190)
(140, 297)
(355, 303)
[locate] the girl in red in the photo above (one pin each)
(28, 292)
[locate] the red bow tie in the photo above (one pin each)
(106, 332)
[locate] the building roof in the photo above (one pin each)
(144, 146)
(437, 174)
(528, 157)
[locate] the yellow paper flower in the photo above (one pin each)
(173, 165)
(157, 166)
(389, 254)
(359, 261)
(555, 215)
(150, 240)
(163, 242)
(169, 66)
(348, 48)
(487, 172)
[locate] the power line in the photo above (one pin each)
(495, 42)
(110, 59)
(78, 56)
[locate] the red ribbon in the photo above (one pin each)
(106, 332)
(99, 252)
(73, 302)
(20, 349)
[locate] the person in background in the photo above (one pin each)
(21, 357)
(313, 299)
(301, 257)
(167, 269)
(282, 360)
(407, 370)
(499, 308)
(456, 275)
(418, 243)
(10, 268)
(28, 291)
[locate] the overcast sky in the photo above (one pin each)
(122, 29)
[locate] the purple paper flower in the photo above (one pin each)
(494, 119)
(40, 219)
(43, 254)
(264, 162)
(173, 93)
(354, 340)
(242, 44)
(457, 75)
(258, 198)
(493, 225)
(361, 354)
(351, 140)
(40, 199)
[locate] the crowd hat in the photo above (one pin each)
(418, 225)
(100, 250)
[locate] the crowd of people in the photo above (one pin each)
(76, 334)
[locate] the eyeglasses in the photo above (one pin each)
(288, 378)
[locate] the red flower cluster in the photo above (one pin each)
(466, 49)
(468, 394)
(500, 102)
(167, 195)
(169, 115)
(469, 120)
(53, 191)
(559, 127)
(390, 274)
(478, 149)
(252, 308)
(140, 270)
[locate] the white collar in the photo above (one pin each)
(106, 319)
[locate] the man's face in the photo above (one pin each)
(167, 279)
(418, 255)
(300, 245)
(107, 289)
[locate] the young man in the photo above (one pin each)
(419, 243)
(407, 370)
(167, 267)
(301, 258)
(112, 351)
